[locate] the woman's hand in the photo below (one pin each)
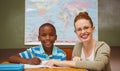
(65, 63)
(76, 58)
(34, 61)
(53, 62)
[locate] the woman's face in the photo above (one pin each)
(84, 30)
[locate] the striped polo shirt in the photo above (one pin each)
(38, 51)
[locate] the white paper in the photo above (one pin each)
(37, 66)
(42, 65)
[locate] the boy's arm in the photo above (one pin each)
(17, 59)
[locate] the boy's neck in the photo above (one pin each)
(48, 50)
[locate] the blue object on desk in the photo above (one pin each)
(11, 67)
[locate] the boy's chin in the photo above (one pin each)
(48, 46)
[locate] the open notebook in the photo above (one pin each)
(36, 66)
(42, 65)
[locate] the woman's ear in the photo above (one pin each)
(74, 31)
(93, 28)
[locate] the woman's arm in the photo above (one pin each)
(102, 55)
(61, 63)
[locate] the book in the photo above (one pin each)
(42, 65)
(11, 67)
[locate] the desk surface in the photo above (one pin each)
(49, 69)
(54, 69)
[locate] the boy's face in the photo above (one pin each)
(47, 36)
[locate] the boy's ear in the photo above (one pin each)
(56, 37)
(39, 38)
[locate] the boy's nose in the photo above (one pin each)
(47, 37)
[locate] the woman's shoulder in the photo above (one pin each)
(78, 44)
(100, 44)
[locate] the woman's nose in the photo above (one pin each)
(82, 31)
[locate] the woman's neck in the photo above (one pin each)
(88, 47)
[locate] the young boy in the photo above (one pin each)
(46, 51)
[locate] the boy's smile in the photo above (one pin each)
(47, 36)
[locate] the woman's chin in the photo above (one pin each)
(84, 39)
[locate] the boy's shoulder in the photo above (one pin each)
(55, 47)
(59, 50)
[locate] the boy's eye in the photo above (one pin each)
(46, 34)
(52, 34)
(42, 34)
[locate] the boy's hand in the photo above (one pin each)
(34, 61)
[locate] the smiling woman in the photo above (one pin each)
(83, 26)
(89, 53)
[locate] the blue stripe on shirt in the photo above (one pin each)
(29, 55)
(58, 57)
(39, 52)
(23, 55)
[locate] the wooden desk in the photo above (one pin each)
(54, 69)
(49, 69)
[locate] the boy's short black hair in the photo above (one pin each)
(47, 24)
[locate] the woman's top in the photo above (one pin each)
(90, 58)
(101, 57)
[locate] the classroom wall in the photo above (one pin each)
(109, 21)
(12, 23)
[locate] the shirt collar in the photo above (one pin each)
(54, 51)
(41, 49)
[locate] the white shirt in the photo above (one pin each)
(90, 58)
